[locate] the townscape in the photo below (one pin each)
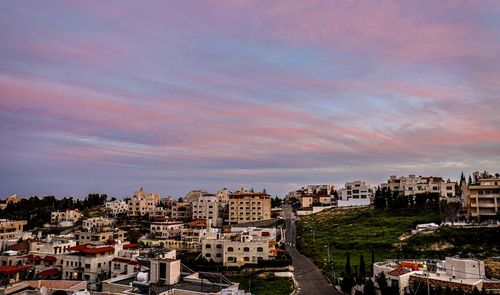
(235, 242)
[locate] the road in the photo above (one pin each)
(310, 279)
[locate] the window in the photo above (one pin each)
(87, 265)
(208, 255)
(246, 259)
(218, 246)
(218, 255)
(208, 246)
(246, 249)
(260, 249)
(230, 249)
(117, 266)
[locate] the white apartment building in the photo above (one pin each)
(67, 215)
(318, 189)
(142, 203)
(101, 235)
(357, 190)
(117, 207)
(88, 262)
(413, 185)
(207, 207)
(51, 246)
(243, 246)
(166, 230)
(96, 222)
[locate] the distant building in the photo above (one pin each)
(11, 230)
(97, 222)
(142, 203)
(71, 215)
(356, 193)
(249, 206)
(414, 185)
(13, 199)
(116, 207)
(482, 198)
(208, 207)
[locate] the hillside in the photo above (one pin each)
(362, 230)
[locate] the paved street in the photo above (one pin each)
(310, 279)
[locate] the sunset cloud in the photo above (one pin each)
(183, 95)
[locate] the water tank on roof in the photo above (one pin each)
(142, 277)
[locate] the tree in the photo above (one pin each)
(470, 180)
(450, 211)
(348, 280)
(379, 201)
(373, 262)
(369, 288)
(362, 268)
(348, 269)
(382, 282)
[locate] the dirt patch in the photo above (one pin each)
(492, 267)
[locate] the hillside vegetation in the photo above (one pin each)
(387, 234)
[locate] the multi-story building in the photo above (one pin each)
(239, 247)
(207, 207)
(413, 185)
(182, 211)
(101, 235)
(90, 262)
(11, 230)
(482, 198)
(116, 207)
(193, 195)
(51, 245)
(142, 203)
(69, 215)
(320, 189)
(249, 206)
(356, 193)
(97, 222)
(357, 190)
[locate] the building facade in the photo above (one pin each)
(116, 207)
(482, 198)
(142, 203)
(248, 206)
(414, 185)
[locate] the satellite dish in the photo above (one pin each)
(44, 290)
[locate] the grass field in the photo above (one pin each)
(264, 284)
(387, 233)
(358, 231)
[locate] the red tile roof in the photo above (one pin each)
(23, 245)
(49, 258)
(48, 272)
(398, 272)
(11, 269)
(85, 248)
(131, 245)
(34, 257)
(442, 283)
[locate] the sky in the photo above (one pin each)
(110, 96)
